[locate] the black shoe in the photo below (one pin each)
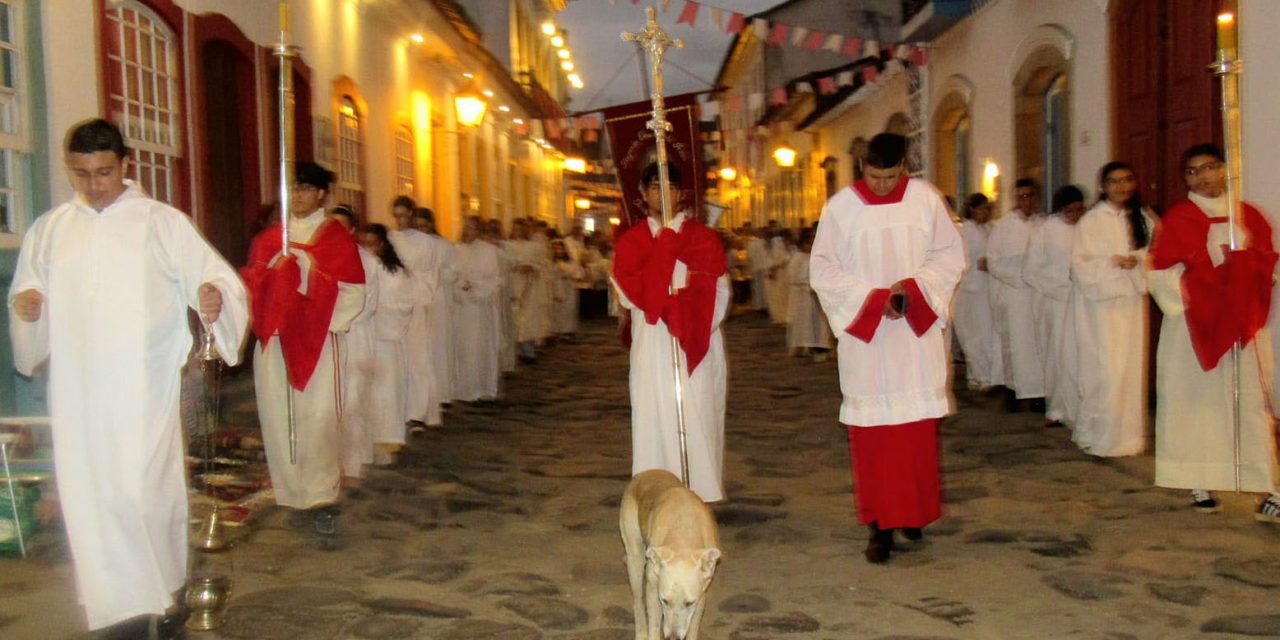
(1011, 402)
(1038, 405)
(914, 534)
(879, 545)
(302, 519)
(1204, 502)
(325, 523)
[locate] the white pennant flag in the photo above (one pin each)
(844, 78)
(762, 29)
(834, 43)
(755, 100)
(798, 34)
(711, 108)
(804, 87)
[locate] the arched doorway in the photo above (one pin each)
(1041, 120)
(951, 162)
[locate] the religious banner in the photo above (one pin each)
(633, 149)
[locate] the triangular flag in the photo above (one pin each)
(814, 41)
(711, 108)
(804, 87)
(591, 136)
(902, 52)
(844, 78)
(755, 100)
(826, 86)
(735, 103)
(761, 27)
(834, 43)
(737, 22)
(798, 35)
(689, 15)
(853, 48)
(778, 95)
(553, 128)
(869, 74)
(871, 49)
(779, 35)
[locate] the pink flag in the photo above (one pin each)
(870, 73)
(918, 57)
(814, 41)
(778, 95)
(779, 35)
(737, 22)
(853, 48)
(826, 86)
(689, 15)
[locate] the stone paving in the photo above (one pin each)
(503, 526)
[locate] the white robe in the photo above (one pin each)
(117, 286)
(359, 355)
(565, 314)
(973, 321)
(506, 310)
(476, 319)
(1014, 313)
(654, 436)
(777, 285)
(389, 401)
(1048, 271)
(1109, 315)
(806, 326)
(1195, 435)
(440, 324)
(529, 289)
(898, 377)
(316, 477)
(418, 253)
(758, 261)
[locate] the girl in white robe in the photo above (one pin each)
(1109, 314)
(1048, 271)
(506, 314)
(972, 315)
(388, 399)
(807, 326)
(475, 295)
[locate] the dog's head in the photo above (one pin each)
(682, 582)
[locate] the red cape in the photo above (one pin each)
(1226, 303)
(301, 321)
(642, 268)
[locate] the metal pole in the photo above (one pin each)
(655, 40)
(286, 53)
(1228, 68)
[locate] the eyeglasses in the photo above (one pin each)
(1192, 172)
(1122, 180)
(1026, 196)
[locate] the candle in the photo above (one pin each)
(1227, 33)
(284, 17)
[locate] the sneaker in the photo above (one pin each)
(326, 523)
(1269, 510)
(1204, 502)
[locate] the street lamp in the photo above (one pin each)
(470, 105)
(785, 156)
(728, 174)
(582, 203)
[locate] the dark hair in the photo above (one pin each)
(1026, 182)
(344, 210)
(424, 212)
(1138, 235)
(404, 201)
(1066, 196)
(313, 174)
(92, 136)
(387, 256)
(650, 174)
(886, 151)
(1204, 149)
(975, 200)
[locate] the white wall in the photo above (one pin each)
(988, 50)
(1260, 97)
(71, 78)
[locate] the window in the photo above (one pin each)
(961, 141)
(1056, 140)
(350, 188)
(143, 98)
(12, 135)
(405, 167)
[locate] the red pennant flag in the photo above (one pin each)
(869, 74)
(689, 15)
(778, 95)
(735, 103)
(853, 48)
(887, 49)
(779, 35)
(814, 42)
(522, 129)
(737, 22)
(553, 128)
(826, 86)
(918, 57)
(592, 135)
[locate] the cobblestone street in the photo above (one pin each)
(503, 525)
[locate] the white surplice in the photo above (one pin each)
(654, 439)
(1048, 271)
(389, 400)
(1109, 315)
(898, 377)
(506, 310)
(973, 320)
(117, 287)
(778, 285)
(440, 323)
(418, 253)
(359, 355)
(758, 261)
(1195, 433)
(529, 289)
(476, 318)
(565, 313)
(316, 476)
(1014, 313)
(806, 326)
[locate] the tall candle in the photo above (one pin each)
(284, 17)
(1227, 36)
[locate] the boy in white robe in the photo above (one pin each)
(1048, 271)
(1006, 252)
(475, 307)
(416, 251)
(807, 330)
(102, 289)
(1213, 298)
(885, 263)
(357, 360)
(973, 319)
(397, 302)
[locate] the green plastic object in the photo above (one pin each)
(27, 497)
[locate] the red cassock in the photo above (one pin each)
(1224, 303)
(643, 266)
(300, 321)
